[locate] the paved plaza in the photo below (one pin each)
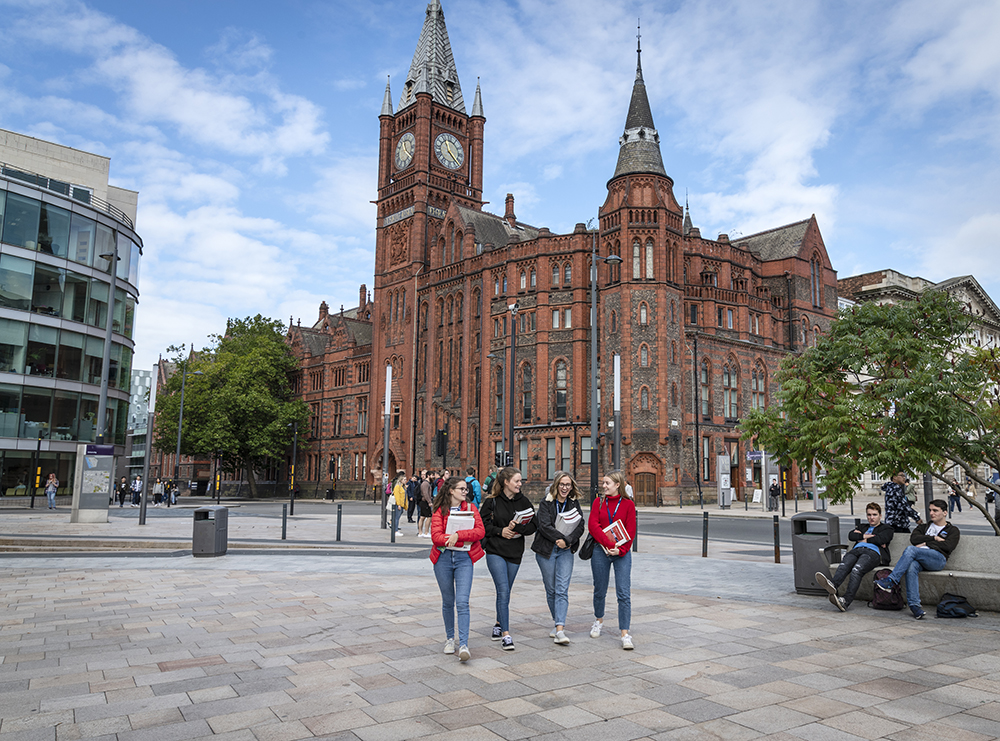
(347, 644)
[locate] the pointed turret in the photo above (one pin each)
(433, 67)
(640, 144)
(686, 229)
(387, 100)
(477, 103)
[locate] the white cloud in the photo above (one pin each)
(971, 248)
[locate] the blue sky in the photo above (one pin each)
(250, 129)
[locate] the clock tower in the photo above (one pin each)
(430, 157)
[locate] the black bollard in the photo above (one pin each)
(392, 530)
(284, 520)
(340, 517)
(777, 542)
(704, 535)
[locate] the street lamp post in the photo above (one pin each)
(503, 402)
(618, 413)
(513, 364)
(180, 426)
(385, 443)
(291, 476)
(611, 260)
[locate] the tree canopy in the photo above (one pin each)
(889, 388)
(238, 402)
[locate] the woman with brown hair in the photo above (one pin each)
(613, 552)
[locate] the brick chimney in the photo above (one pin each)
(324, 312)
(509, 212)
(362, 300)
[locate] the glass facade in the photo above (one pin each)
(54, 302)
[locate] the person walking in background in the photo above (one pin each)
(399, 496)
(970, 489)
(425, 503)
(871, 549)
(51, 487)
(507, 516)
(122, 491)
(475, 491)
(412, 493)
(773, 494)
(453, 555)
(560, 527)
(136, 491)
(898, 511)
(954, 498)
(157, 493)
(614, 506)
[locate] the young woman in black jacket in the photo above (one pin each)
(554, 545)
(504, 543)
(871, 549)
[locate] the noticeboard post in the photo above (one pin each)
(95, 475)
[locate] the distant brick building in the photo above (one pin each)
(700, 324)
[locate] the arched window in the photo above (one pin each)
(644, 398)
(524, 280)
(730, 390)
(568, 274)
(478, 299)
(555, 274)
(561, 385)
(457, 254)
(451, 310)
(498, 394)
(803, 332)
(649, 259)
(614, 322)
(440, 310)
(673, 351)
(643, 318)
(504, 284)
(496, 286)
(636, 262)
(526, 391)
(815, 335)
(531, 278)
(451, 247)
(758, 388)
(816, 281)
(706, 389)
(644, 355)
(673, 317)
(673, 394)
(459, 301)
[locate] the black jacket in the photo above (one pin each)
(950, 535)
(546, 535)
(497, 512)
(881, 537)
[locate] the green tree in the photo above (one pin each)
(237, 399)
(889, 388)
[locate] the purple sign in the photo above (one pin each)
(100, 450)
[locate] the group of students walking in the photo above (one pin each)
(497, 531)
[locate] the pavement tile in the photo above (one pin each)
(820, 732)
(104, 726)
(747, 699)
(151, 718)
(864, 724)
(399, 730)
(713, 730)
(245, 719)
(936, 732)
(915, 710)
(771, 719)
(657, 721)
(698, 711)
(973, 723)
(475, 715)
(171, 732)
(989, 710)
(290, 731)
(391, 711)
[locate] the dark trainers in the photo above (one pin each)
(885, 585)
(918, 613)
(507, 644)
(841, 604)
(497, 633)
(824, 581)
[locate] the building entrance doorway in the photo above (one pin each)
(645, 489)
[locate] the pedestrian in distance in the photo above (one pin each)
(399, 497)
(51, 487)
(412, 493)
(871, 549)
(508, 516)
(773, 494)
(453, 555)
(123, 491)
(560, 527)
(954, 497)
(475, 490)
(426, 503)
(613, 507)
(898, 511)
(158, 493)
(136, 491)
(931, 544)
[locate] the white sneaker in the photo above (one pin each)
(398, 533)
(561, 638)
(595, 629)
(552, 634)
(449, 646)
(463, 654)
(627, 642)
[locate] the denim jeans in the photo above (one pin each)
(954, 501)
(600, 566)
(454, 576)
(556, 572)
(910, 564)
(857, 562)
(503, 572)
(396, 512)
(52, 497)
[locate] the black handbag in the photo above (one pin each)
(587, 549)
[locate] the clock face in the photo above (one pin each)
(404, 150)
(449, 151)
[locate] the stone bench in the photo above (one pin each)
(973, 571)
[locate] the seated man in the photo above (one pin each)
(871, 549)
(932, 543)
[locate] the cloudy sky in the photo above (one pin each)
(250, 129)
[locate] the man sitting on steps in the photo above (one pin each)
(932, 543)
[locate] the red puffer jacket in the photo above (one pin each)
(439, 523)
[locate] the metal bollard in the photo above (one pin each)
(635, 540)
(392, 528)
(777, 542)
(704, 535)
(284, 520)
(340, 517)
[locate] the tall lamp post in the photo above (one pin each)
(385, 443)
(291, 477)
(513, 365)
(180, 425)
(503, 402)
(102, 404)
(611, 260)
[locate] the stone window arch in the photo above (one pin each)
(644, 398)
(643, 313)
(644, 355)
(649, 259)
(526, 392)
(561, 386)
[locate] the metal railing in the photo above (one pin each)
(82, 195)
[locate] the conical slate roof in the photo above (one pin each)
(640, 144)
(433, 67)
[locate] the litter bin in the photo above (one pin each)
(211, 531)
(812, 534)
(329, 494)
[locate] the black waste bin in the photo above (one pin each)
(329, 494)
(211, 531)
(812, 533)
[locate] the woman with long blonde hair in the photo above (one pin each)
(613, 553)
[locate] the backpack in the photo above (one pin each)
(955, 606)
(475, 493)
(886, 600)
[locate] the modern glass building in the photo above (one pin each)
(57, 239)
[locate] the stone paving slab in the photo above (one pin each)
(250, 648)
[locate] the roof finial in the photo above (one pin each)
(638, 49)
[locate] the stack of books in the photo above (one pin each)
(458, 521)
(617, 532)
(523, 515)
(566, 522)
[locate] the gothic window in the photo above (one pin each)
(504, 286)
(644, 399)
(644, 355)
(459, 305)
(496, 286)
(562, 381)
(673, 394)
(362, 405)
(451, 310)
(706, 400)
(803, 332)
(498, 394)
(568, 274)
(614, 322)
(531, 278)
(649, 259)
(524, 280)
(815, 336)
(526, 392)
(451, 246)
(673, 352)
(758, 386)
(816, 281)
(730, 390)
(643, 318)
(672, 318)
(440, 312)
(458, 247)
(636, 263)
(478, 299)
(338, 417)
(555, 275)
(694, 313)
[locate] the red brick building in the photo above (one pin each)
(700, 324)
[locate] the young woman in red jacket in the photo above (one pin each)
(453, 556)
(614, 506)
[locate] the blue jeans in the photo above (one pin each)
(556, 572)
(910, 564)
(503, 573)
(600, 566)
(51, 494)
(453, 571)
(396, 512)
(954, 501)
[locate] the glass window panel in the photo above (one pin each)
(118, 417)
(10, 410)
(3, 200)
(13, 338)
(93, 358)
(70, 359)
(97, 306)
(20, 221)
(130, 315)
(84, 431)
(118, 322)
(36, 407)
(64, 411)
(15, 282)
(114, 364)
(41, 350)
(124, 256)
(82, 233)
(74, 292)
(46, 295)
(53, 230)
(133, 270)
(125, 369)
(104, 244)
